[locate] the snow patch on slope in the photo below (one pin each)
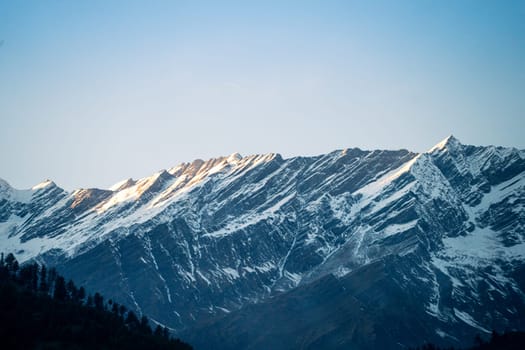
(43, 184)
(398, 228)
(249, 219)
(465, 317)
(376, 187)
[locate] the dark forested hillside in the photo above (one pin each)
(40, 310)
(504, 341)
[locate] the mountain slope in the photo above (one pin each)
(204, 239)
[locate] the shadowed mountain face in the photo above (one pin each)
(353, 248)
(365, 309)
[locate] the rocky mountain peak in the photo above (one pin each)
(439, 233)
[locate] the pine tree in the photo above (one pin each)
(165, 333)
(144, 325)
(122, 310)
(3, 269)
(60, 291)
(35, 271)
(44, 286)
(51, 277)
(72, 290)
(15, 266)
(99, 301)
(114, 309)
(158, 331)
(132, 321)
(81, 293)
(11, 263)
(24, 276)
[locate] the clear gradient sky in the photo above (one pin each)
(92, 92)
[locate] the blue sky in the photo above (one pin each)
(92, 92)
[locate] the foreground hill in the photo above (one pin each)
(342, 248)
(41, 311)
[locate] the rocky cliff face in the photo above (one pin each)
(367, 243)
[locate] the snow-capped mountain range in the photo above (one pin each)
(216, 248)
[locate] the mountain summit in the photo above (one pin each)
(357, 248)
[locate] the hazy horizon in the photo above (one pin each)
(93, 93)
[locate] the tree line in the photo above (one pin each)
(511, 340)
(40, 310)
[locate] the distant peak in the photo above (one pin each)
(43, 184)
(448, 143)
(4, 183)
(122, 185)
(162, 175)
(5, 188)
(234, 157)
